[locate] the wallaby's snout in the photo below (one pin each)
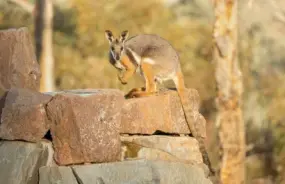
(116, 50)
(116, 44)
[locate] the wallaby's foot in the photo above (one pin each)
(138, 94)
(134, 90)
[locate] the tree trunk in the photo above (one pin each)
(229, 96)
(43, 37)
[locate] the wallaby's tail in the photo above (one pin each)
(191, 121)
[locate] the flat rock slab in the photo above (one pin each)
(20, 161)
(18, 64)
(139, 172)
(24, 116)
(163, 112)
(168, 148)
(57, 175)
(127, 172)
(85, 125)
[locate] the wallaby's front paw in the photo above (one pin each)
(121, 79)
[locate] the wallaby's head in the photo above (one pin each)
(117, 45)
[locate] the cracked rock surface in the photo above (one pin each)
(20, 161)
(132, 172)
(168, 148)
(85, 126)
(162, 112)
(23, 115)
(18, 64)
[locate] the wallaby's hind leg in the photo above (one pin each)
(141, 94)
(150, 84)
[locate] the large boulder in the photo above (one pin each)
(168, 148)
(85, 125)
(23, 115)
(18, 64)
(133, 172)
(20, 161)
(161, 112)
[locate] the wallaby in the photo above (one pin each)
(157, 61)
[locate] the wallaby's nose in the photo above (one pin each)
(117, 57)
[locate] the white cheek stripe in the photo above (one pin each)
(113, 55)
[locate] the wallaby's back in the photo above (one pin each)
(161, 53)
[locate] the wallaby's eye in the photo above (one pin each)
(112, 48)
(122, 48)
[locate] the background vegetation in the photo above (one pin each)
(80, 53)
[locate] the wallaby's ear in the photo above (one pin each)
(109, 35)
(124, 36)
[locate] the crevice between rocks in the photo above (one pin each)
(48, 133)
(158, 132)
(127, 143)
(99, 180)
(78, 180)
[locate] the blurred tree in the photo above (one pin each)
(44, 46)
(229, 84)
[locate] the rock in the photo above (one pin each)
(18, 64)
(3, 95)
(24, 116)
(168, 148)
(157, 113)
(132, 172)
(53, 175)
(86, 125)
(20, 161)
(139, 172)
